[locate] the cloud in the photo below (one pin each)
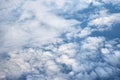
(9, 4)
(92, 46)
(9, 10)
(39, 42)
(85, 32)
(105, 51)
(114, 2)
(105, 21)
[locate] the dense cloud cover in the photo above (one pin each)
(60, 40)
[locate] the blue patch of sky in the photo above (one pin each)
(80, 15)
(109, 34)
(4, 56)
(22, 77)
(66, 69)
(112, 8)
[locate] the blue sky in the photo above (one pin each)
(60, 40)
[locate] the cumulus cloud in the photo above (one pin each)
(92, 46)
(106, 20)
(39, 42)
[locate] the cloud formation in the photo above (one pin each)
(53, 40)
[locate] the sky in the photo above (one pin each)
(59, 39)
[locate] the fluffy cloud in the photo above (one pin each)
(104, 20)
(92, 43)
(107, 20)
(39, 42)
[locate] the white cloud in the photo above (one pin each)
(85, 32)
(68, 49)
(30, 42)
(105, 21)
(105, 51)
(92, 43)
(52, 67)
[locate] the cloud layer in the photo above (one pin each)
(54, 40)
